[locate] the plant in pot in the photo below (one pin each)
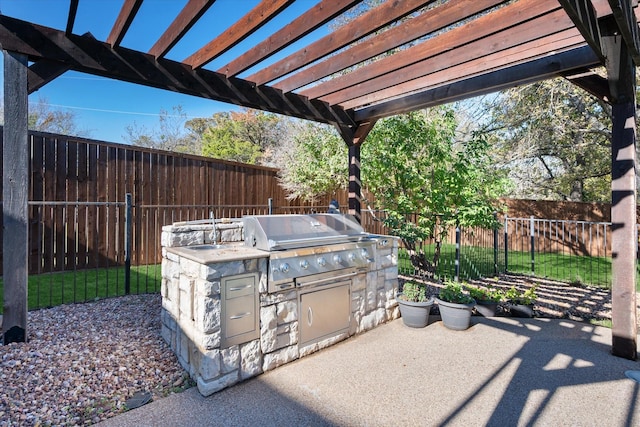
(415, 304)
(487, 299)
(455, 306)
(520, 304)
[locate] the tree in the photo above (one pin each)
(43, 118)
(172, 133)
(413, 165)
(312, 160)
(555, 139)
(247, 135)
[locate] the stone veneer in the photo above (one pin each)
(191, 306)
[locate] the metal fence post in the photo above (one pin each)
(506, 243)
(495, 244)
(127, 243)
(270, 204)
(533, 248)
(457, 263)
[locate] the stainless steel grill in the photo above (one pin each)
(306, 245)
(319, 255)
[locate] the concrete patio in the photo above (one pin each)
(502, 371)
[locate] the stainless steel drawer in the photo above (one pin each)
(239, 309)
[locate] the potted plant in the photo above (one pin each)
(520, 304)
(415, 304)
(487, 299)
(455, 306)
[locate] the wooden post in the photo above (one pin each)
(15, 187)
(624, 241)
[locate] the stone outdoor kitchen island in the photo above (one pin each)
(228, 319)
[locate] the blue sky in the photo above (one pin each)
(105, 107)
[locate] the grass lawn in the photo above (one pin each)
(51, 289)
(479, 262)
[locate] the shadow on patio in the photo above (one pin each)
(502, 371)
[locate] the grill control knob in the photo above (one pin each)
(322, 261)
(284, 267)
(304, 264)
(337, 258)
(352, 256)
(364, 252)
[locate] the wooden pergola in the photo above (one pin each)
(400, 56)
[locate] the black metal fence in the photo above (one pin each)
(113, 248)
(569, 251)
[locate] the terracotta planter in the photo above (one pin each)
(455, 316)
(415, 314)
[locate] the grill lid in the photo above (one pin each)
(280, 232)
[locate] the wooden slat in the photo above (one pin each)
(125, 18)
(60, 211)
(49, 194)
(71, 17)
(187, 17)
(513, 14)
(539, 69)
(35, 212)
(628, 26)
(82, 211)
(312, 19)
(243, 28)
(71, 196)
(427, 22)
(360, 27)
(440, 68)
(583, 14)
(443, 68)
(92, 195)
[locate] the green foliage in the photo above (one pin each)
(453, 292)
(312, 162)
(412, 165)
(485, 294)
(222, 143)
(518, 297)
(555, 139)
(414, 292)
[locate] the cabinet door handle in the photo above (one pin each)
(239, 288)
(239, 316)
(309, 316)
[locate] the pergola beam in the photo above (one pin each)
(123, 22)
(43, 72)
(88, 55)
(312, 19)
(361, 26)
(247, 25)
(529, 72)
(512, 15)
(430, 21)
(584, 17)
(187, 17)
(628, 26)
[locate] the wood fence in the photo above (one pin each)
(78, 188)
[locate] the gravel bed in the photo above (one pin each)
(83, 361)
